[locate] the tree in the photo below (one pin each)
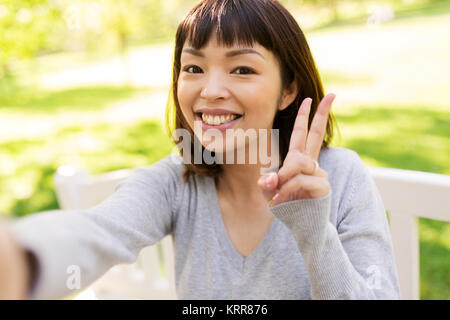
(26, 28)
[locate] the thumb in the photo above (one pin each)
(268, 184)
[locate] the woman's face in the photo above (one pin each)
(217, 84)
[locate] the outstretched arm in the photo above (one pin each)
(139, 213)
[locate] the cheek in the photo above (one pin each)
(186, 98)
(260, 101)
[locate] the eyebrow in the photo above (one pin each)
(229, 54)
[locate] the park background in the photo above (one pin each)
(86, 83)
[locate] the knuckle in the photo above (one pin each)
(326, 185)
(299, 127)
(293, 154)
(315, 130)
(299, 154)
(298, 157)
(322, 173)
(303, 162)
(282, 172)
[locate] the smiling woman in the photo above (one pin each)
(267, 62)
(315, 228)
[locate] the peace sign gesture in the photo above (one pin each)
(300, 177)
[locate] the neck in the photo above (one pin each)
(239, 182)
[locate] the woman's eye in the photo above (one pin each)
(193, 69)
(244, 70)
(197, 69)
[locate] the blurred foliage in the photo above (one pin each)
(401, 137)
(29, 28)
(34, 28)
(26, 28)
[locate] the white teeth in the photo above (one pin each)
(216, 120)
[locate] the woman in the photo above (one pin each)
(313, 228)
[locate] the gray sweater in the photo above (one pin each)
(334, 247)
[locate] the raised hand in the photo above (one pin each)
(300, 177)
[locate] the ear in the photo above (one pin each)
(288, 96)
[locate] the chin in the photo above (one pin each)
(231, 154)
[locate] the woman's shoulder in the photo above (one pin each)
(163, 172)
(341, 163)
(338, 156)
(171, 162)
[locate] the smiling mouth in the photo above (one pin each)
(216, 120)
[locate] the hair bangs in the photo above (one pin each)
(233, 22)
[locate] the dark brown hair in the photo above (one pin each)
(245, 22)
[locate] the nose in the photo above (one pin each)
(214, 88)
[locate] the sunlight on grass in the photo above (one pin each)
(27, 166)
(81, 99)
(333, 78)
(401, 62)
(434, 262)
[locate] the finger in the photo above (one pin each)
(312, 185)
(318, 127)
(295, 163)
(300, 130)
(268, 184)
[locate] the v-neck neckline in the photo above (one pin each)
(239, 262)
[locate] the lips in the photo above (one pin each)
(209, 118)
(216, 111)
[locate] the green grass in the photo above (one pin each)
(332, 78)
(399, 137)
(27, 166)
(32, 100)
(434, 262)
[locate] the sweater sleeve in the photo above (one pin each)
(139, 213)
(354, 259)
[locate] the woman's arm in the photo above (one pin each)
(139, 213)
(353, 260)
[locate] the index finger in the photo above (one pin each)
(319, 127)
(300, 130)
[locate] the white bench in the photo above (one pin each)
(406, 195)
